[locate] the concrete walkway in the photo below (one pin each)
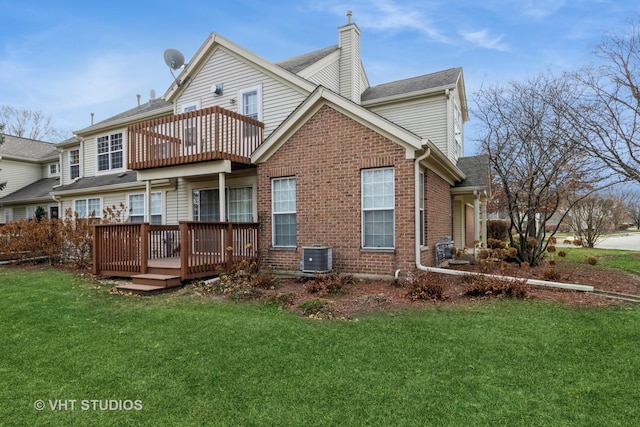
(629, 242)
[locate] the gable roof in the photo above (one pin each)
(15, 147)
(32, 193)
(428, 82)
(216, 41)
(300, 62)
(321, 96)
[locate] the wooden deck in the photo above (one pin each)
(189, 250)
(212, 133)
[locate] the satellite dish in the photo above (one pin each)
(173, 58)
(152, 94)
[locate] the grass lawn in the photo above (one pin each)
(608, 258)
(195, 361)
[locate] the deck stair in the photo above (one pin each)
(149, 284)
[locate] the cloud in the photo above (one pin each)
(542, 8)
(391, 16)
(485, 40)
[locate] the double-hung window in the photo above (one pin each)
(74, 163)
(110, 152)
(283, 196)
(137, 204)
(378, 208)
(88, 207)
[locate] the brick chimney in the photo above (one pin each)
(349, 44)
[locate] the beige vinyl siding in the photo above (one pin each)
(278, 99)
(18, 175)
(328, 77)
(19, 213)
(426, 118)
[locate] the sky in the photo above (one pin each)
(73, 58)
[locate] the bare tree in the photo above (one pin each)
(594, 216)
(633, 207)
(609, 112)
(536, 155)
(32, 124)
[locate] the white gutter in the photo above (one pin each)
(419, 266)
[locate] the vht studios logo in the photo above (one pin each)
(88, 405)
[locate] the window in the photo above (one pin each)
(457, 130)
(110, 152)
(250, 101)
(74, 163)
(8, 215)
(53, 169)
(421, 213)
(191, 125)
(378, 207)
(283, 194)
(137, 205)
(239, 202)
(88, 207)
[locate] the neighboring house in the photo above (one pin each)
(304, 147)
(31, 169)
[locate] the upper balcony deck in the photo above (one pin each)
(212, 133)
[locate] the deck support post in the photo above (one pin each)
(223, 197)
(144, 248)
(148, 201)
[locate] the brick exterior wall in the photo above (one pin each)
(438, 206)
(326, 157)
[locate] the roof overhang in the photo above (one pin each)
(100, 127)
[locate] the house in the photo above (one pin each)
(30, 169)
(303, 151)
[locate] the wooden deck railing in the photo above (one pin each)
(204, 248)
(212, 133)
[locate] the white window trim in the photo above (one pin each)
(273, 212)
(190, 106)
(86, 199)
(123, 149)
(74, 164)
(144, 206)
(363, 210)
(258, 90)
(8, 215)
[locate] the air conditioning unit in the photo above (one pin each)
(317, 259)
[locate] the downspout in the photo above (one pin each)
(419, 265)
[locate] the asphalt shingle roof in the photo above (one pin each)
(36, 191)
(26, 148)
(476, 169)
(101, 181)
(299, 63)
(414, 84)
(152, 105)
